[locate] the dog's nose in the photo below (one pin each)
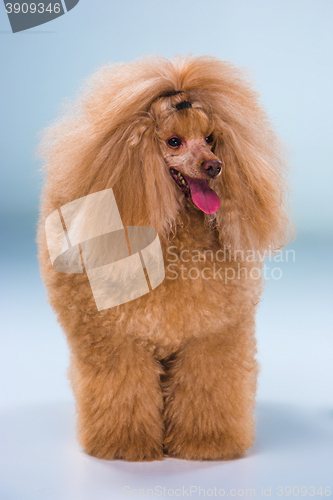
(212, 167)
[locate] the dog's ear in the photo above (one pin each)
(251, 186)
(144, 194)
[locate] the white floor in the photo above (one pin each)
(40, 458)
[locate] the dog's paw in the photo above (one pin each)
(192, 447)
(140, 451)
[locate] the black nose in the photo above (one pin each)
(212, 167)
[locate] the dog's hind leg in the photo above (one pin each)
(120, 404)
(209, 398)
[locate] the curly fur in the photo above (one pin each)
(173, 372)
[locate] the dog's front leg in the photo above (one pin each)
(120, 404)
(209, 398)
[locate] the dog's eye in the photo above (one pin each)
(174, 142)
(210, 139)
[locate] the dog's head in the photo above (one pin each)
(187, 140)
(164, 134)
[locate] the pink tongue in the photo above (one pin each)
(202, 196)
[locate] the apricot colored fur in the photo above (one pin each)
(172, 373)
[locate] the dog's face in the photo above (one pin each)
(187, 142)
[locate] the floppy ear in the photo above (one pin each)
(251, 186)
(107, 139)
(144, 194)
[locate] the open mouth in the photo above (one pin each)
(180, 181)
(198, 191)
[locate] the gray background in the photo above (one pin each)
(286, 45)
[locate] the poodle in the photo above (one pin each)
(187, 150)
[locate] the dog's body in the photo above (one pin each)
(173, 371)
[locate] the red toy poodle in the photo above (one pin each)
(188, 151)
